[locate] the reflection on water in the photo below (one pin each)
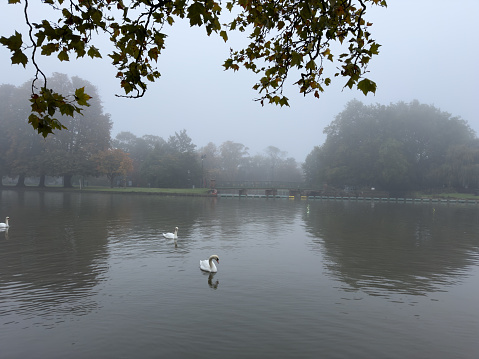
(410, 249)
(90, 275)
(211, 283)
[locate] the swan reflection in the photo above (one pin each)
(6, 232)
(212, 284)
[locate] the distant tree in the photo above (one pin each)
(22, 146)
(312, 166)
(275, 155)
(234, 158)
(461, 167)
(7, 94)
(211, 162)
(113, 163)
(140, 150)
(273, 165)
(232, 162)
(286, 38)
(70, 151)
(400, 146)
(288, 170)
(181, 143)
(125, 141)
(171, 164)
(181, 164)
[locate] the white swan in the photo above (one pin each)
(208, 265)
(171, 235)
(5, 225)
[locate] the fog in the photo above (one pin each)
(429, 51)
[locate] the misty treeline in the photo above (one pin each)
(403, 146)
(87, 151)
(25, 154)
(177, 162)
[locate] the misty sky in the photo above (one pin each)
(429, 52)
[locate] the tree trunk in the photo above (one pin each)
(111, 178)
(21, 181)
(42, 181)
(67, 181)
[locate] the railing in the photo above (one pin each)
(260, 185)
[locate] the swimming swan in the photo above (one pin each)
(5, 225)
(208, 265)
(171, 235)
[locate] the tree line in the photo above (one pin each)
(87, 151)
(177, 163)
(67, 153)
(403, 146)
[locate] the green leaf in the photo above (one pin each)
(96, 16)
(284, 102)
(224, 35)
(93, 52)
(311, 65)
(63, 56)
(67, 109)
(40, 38)
(296, 59)
(81, 97)
(195, 13)
(366, 86)
(48, 49)
(19, 57)
(374, 49)
(13, 43)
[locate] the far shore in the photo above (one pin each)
(196, 192)
(203, 192)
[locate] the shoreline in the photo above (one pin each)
(203, 192)
(128, 190)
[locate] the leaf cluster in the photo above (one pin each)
(299, 35)
(47, 103)
(284, 35)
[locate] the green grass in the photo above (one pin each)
(172, 191)
(204, 191)
(163, 191)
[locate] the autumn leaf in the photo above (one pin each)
(367, 86)
(81, 97)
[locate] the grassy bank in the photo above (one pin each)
(139, 190)
(202, 191)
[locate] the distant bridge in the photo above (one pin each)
(290, 189)
(270, 188)
(259, 184)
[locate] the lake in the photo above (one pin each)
(86, 275)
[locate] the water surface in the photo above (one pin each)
(90, 275)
